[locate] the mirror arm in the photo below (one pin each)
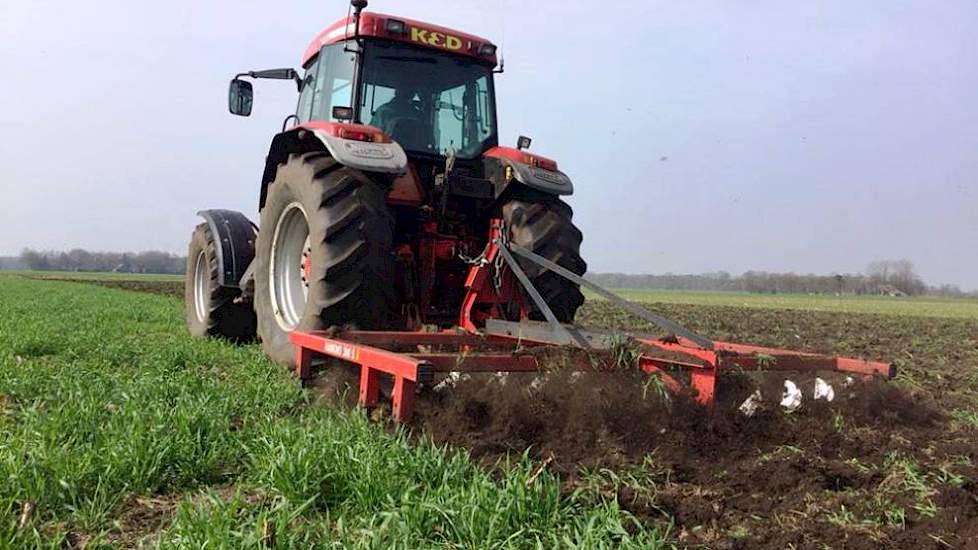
(293, 75)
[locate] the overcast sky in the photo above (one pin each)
(700, 135)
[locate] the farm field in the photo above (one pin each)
(155, 283)
(99, 276)
(120, 430)
(929, 306)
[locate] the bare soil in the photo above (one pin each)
(886, 464)
(163, 288)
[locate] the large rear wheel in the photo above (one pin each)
(543, 224)
(324, 253)
(210, 310)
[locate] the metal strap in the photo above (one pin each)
(662, 322)
(561, 334)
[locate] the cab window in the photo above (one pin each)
(335, 82)
(304, 109)
(328, 83)
(428, 101)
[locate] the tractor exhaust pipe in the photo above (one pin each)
(358, 6)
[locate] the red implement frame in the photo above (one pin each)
(484, 343)
(468, 352)
(482, 299)
(366, 349)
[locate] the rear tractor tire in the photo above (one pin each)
(324, 254)
(543, 224)
(209, 308)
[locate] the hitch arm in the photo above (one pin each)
(661, 322)
(560, 331)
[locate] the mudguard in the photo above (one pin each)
(531, 170)
(385, 158)
(380, 156)
(548, 181)
(236, 243)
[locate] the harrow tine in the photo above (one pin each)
(662, 322)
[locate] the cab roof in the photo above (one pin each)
(411, 32)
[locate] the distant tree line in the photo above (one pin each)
(150, 261)
(881, 277)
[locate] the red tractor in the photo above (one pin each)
(378, 197)
(398, 235)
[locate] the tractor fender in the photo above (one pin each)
(235, 236)
(554, 182)
(515, 165)
(385, 156)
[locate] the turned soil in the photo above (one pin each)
(885, 464)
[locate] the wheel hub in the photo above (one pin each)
(290, 267)
(201, 284)
(306, 264)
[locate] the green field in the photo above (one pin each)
(927, 306)
(116, 428)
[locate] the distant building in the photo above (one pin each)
(890, 290)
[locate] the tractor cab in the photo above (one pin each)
(426, 88)
(429, 89)
(391, 95)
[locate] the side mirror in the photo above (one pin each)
(523, 142)
(240, 97)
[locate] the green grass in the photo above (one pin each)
(106, 402)
(97, 275)
(923, 306)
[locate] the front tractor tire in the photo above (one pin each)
(209, 308)
(543, 224)
(324, 254)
